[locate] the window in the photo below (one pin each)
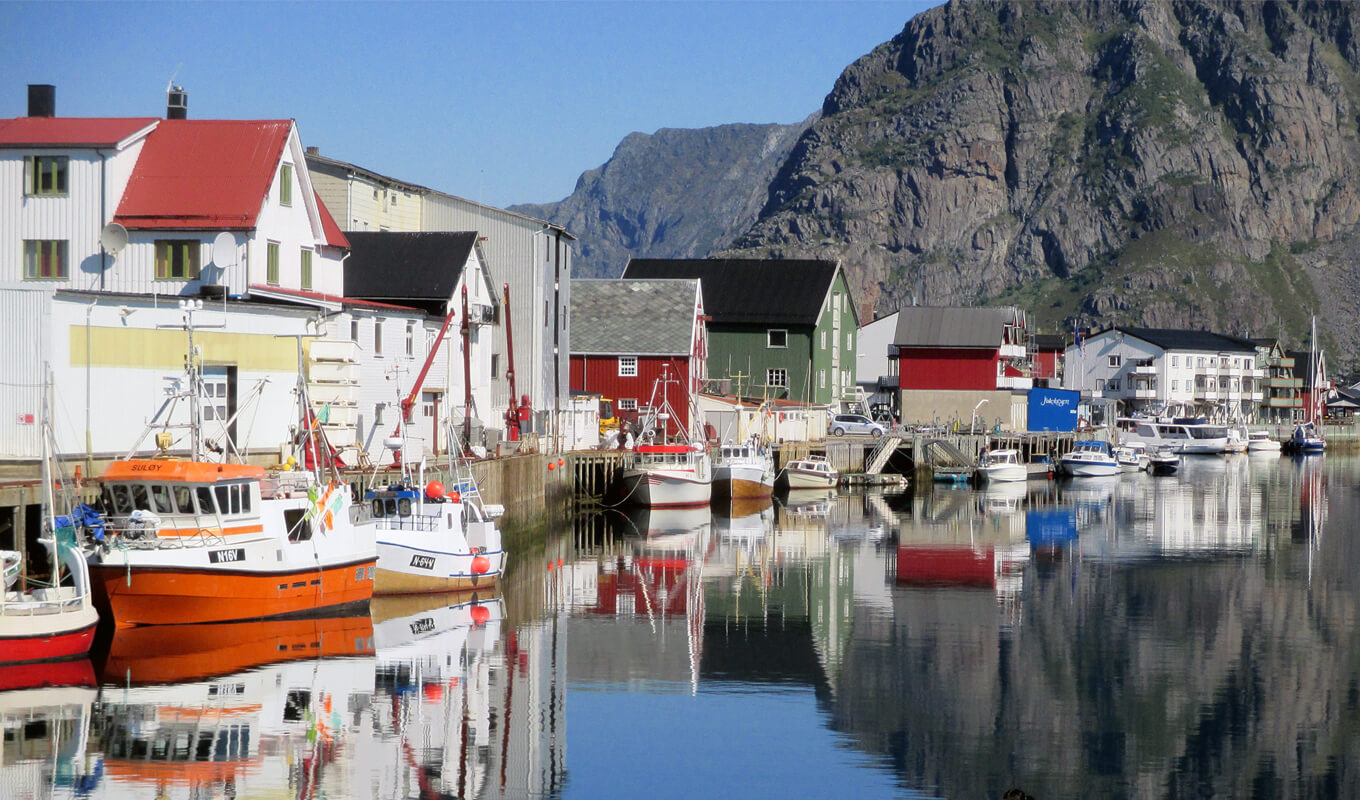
(306, 268)
(377, 335)
(628, 366)
(1113, 385)
(45, 175)
(378, 414)
(495, 365)
(44, 259)
(1175, 386)
(777, 377)
(1115, 361)
(354, 330)
(1174, 360)
(823, 340)
(1100, 384)
(1201, 362)
(777, 337)
(628, 404)
(821, 379)
(271, 275)
(410, 337)
(286, 185)
(177, 259)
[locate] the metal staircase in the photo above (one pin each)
(878, 458)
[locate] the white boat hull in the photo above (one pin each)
(809, 480)
(665, 488)
(1004, 473)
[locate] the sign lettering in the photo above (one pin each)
(227, 556)
(423, 625)
(422, 562)
(1060, 402)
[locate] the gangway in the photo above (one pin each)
(948, 462)
(883, 451)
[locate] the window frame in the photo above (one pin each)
(770, 338)
(377, 336)
(165, 249)
(628, 404)
(305, 268)
(771, 373)
(628, 366)
(286, 184)
(35, 255)
(33, 174)
(271, 269)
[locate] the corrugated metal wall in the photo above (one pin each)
(26, 315)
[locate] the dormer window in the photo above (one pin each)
(286, 185)
(177, 259)
(45, 175)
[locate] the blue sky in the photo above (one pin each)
(503, 102)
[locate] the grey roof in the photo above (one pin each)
(1177, 339)
(633, 317)
(934, 326)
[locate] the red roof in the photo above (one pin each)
(329, 298)
(70, 131)
(203, 174)
(334, 236)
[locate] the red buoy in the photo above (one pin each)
(481, 564)
(455, 497)
(434, 490)
(480, 614)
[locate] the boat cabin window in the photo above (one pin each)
(184, 499)
(205, 499)
(391, 507)
(121, 498)
(1145, 430)
(233, 498)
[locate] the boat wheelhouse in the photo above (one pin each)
(1186, 435)
(192, 541)
(431, 540)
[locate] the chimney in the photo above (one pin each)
(42, 100)
(177, 103)
(313, 151)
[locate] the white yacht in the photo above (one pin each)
(1090, 459)
(1000, 466)
(1260, 442)
(1184, 435)
(1132, 457)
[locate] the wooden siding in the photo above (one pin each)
(601, 374)
(948, 368)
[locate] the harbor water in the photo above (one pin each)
(1137, 636)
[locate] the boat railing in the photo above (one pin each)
(144, 534)
(410, 522)
(40, 605)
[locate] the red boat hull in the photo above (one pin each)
(74, 672)
(47, 647)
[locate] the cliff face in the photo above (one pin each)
(1161, 163)
(672, 194)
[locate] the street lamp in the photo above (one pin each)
(972, 422)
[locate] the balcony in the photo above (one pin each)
(1144, 394)
(1144, 369)
(1284, 383)
(1283, 402)
(1013, 351)
(1204, 393)
(1014, 382)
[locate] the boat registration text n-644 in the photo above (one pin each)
(422, 562)
(227, 556)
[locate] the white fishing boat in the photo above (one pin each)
(743, 470)
(657, 473)
(1185, 435)
(192, 540)
(54, 617)
(1260, 442)
(1001, 466)
(813, 472)
(1132, 457)
(1090, 459)
(432, 537)
(1163, 461)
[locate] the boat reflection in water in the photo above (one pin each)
(46, 738)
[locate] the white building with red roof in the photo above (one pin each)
(108, 223)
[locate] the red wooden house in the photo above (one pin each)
(636, 341)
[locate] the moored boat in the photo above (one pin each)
(1187, 435)
(1000, 466)
(1132, 457)
(743, 470)
(432, 540)
(813, 472)
(1090, 459)
(667, 475)
(1260, 442)
(1307, 439)
(1163, 461)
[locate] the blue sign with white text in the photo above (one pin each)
(1053, 409)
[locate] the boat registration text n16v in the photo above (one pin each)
(227, 556)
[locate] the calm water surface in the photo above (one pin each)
(1191, 636)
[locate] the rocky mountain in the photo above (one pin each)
(1162, 163)
(672, 194)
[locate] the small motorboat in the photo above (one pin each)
(1002, 466)
(1260, 442)
(1307, 439)
(813, 472)
(1132, 457)
(1164, 460)
(1090, 458)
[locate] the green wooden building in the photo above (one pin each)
(778, 328)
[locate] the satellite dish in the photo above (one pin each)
(113, 237)
(224, 250)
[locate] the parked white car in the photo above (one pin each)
(842, 424)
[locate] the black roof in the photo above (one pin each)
(1178, 339)
(749, 291)
(406, 267)
(1049, 341)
